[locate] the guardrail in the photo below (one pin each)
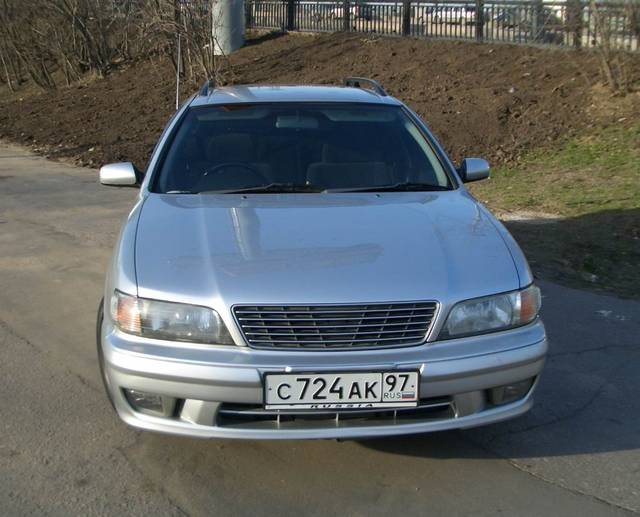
(565, 22)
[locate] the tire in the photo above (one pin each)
(105, 379)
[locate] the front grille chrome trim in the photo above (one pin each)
(359, 332)
(336, 327)
(323, 311)
(365, 325)
(333, 319)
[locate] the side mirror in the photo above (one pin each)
(473, 169)
(122, 174)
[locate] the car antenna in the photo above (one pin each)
(178, 63)
(178, 75)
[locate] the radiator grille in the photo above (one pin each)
(314, 327)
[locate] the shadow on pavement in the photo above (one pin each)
(586, 402)
(598, 251)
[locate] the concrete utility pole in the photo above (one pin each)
(228, 25)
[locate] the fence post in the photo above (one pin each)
(291, 15)
(575, 21)
(538, 20)
(346, 16)
(406, 17)
(480, 20)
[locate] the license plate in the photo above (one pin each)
(341, 390)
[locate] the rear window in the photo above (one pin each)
(315, 146)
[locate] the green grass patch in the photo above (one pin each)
(600, 171)
(592, 185)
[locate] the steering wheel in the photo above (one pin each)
(241, 165)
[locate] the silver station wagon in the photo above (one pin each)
(305, 262)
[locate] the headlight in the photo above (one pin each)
(171, 321)
(492, 313)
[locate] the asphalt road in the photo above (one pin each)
(63, 452)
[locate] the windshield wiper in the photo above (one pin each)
(275, 188)
(270, 188)
(404, 186)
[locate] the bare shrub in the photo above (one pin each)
(25, 44)
(614, 63)
(193, 23)
(39, 37)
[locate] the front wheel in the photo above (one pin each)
(103, 374)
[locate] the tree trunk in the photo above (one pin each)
(6, 72)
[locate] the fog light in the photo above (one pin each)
(509, 392)
(150, 403)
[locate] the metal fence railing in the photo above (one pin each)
(575, 23)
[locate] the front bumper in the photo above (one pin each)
(212, 383)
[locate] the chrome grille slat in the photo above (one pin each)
(324, 311)
(374, 332)
(333, 341)
(365, 325)
(335, 319)
(335, 327)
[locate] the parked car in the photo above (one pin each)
(357, 10)
(306, 262)
(452, 14)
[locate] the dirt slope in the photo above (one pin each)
(495, 101)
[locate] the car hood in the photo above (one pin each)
(221, 250)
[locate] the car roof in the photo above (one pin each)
(285, 93)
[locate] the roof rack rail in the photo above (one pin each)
(206, 89)
(355, 82)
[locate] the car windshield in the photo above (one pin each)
(267, 148)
